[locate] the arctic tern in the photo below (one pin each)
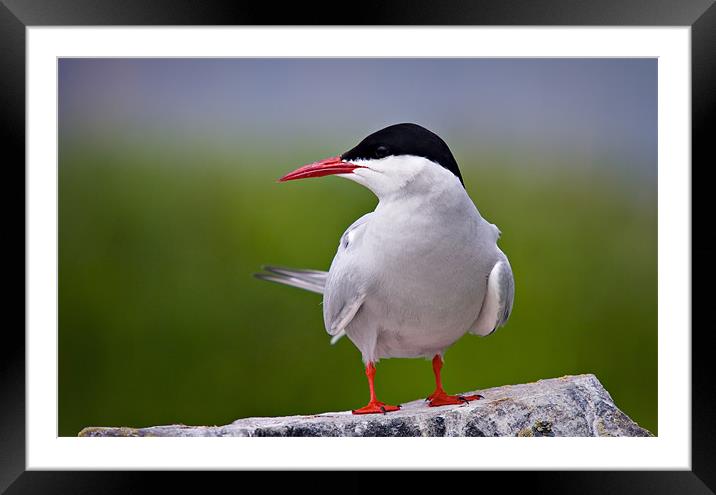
(412, 277)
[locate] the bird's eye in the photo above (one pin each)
(381, 152)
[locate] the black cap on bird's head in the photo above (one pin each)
(399, 140)
(404, 139)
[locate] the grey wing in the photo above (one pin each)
(346, 284)
(499, 297)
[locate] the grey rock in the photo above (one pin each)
(571, 406)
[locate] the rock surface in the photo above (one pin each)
(571, 406)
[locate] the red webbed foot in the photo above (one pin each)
(439, 397)
(442, 399)
(376, 407)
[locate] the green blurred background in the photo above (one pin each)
(168, 202)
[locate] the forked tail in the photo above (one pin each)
(311, 280)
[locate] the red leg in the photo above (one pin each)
(439, 397)
(374, 406)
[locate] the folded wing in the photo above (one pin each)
(343, 287)
(498, 301)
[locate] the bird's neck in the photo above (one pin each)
(437, 192)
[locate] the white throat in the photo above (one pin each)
(394, 177)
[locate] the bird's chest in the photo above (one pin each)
(427, 267)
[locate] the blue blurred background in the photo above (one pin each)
(168, 201)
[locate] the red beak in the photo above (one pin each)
(328, 166)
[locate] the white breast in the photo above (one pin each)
(429, 266)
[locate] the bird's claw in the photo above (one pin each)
(451, 400)
(376, 407)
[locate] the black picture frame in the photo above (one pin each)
(16, 15)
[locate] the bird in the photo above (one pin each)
(420, 271)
